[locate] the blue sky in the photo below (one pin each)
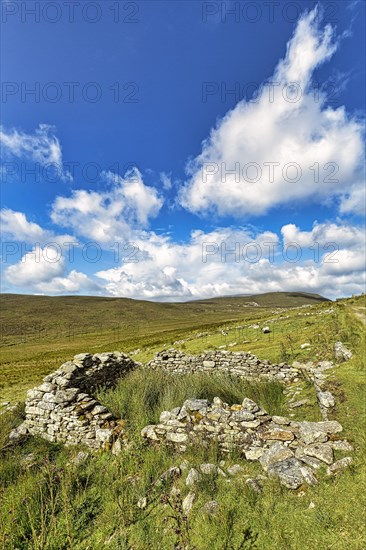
(146, 137)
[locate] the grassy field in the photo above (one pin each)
(38, 333)
(47, 502)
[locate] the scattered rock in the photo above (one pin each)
(282, 420)
(175, 491)
(187, 503)
(117, 447)
(321, 451)
(341, 352)
(165, 415)
(254, 453)
(277, 434)
(254, 484)
(235, 469)
(211, 508)
(168, 477)
(342, 445)
(276, 453)
(317, 432)
(250, 405)
(177, 437)
(170, 474)
(149, 433)
(19, 433)
(195, 404)
(308, 475)
(104, 435)
(339, 465)
(309, 460)
(288, 472)
(208, 469)
(326, 399)
(193, 477)
(300, 403)
(142, 503)
(184, 466)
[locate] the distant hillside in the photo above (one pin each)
(25, 314)
(38, 333)
(272, 299)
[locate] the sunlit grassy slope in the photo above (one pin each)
(38, 333)
(50, 504)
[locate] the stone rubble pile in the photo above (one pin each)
(62, 409)
(290, 451)
(341, 353)
(240, 364)
(317, 374)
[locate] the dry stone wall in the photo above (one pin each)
(63, 407)
(290, 451)
(240, 364)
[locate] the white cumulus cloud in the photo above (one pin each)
(37, 266)
(287, 145)
(241, 261)
(44, 270)
(15, 225)
(112, 214)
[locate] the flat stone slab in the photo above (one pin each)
(312, 432)
(276, 453)
(321, 451)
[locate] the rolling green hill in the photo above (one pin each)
(40, 332)
(22, 314)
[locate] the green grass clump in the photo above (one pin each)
(141, 396)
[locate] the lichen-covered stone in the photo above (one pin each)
(321, 451)
(288, 472)
(312, 432)
(341, 352)
(339, 465)
(276, 453)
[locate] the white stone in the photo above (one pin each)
(187, 503)
(177, 437)
(193, 477)
(235, 469)
(208, 469)
(254, 454)
(103, 435)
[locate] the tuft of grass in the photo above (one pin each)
(143, 394)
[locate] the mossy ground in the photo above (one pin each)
(49, 503)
